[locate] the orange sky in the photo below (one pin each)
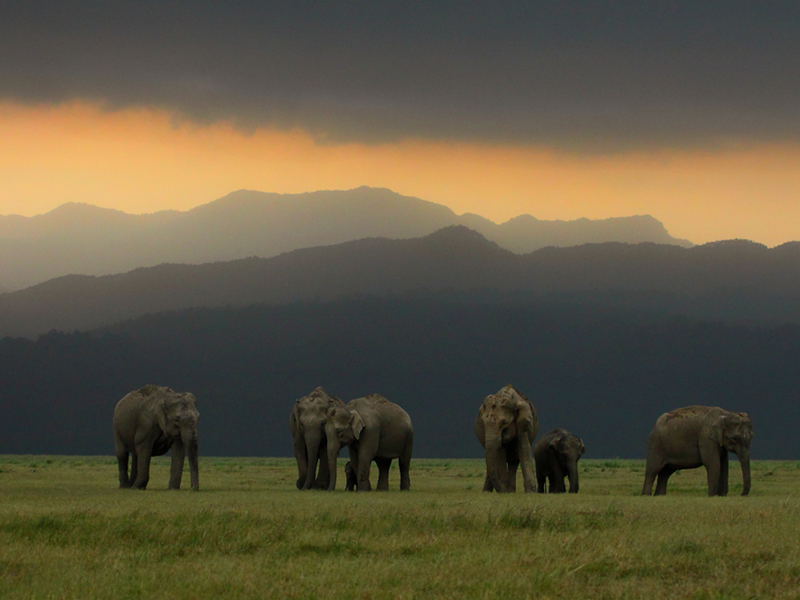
(140, 161)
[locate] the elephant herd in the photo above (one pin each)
(154, 420)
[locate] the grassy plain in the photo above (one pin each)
(67, 532)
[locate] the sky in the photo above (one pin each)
(687, 111)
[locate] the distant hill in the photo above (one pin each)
(87, 240)
(727, 280)
(605, 374)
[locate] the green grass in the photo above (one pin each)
(67, 532)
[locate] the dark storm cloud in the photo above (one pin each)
(581, 75)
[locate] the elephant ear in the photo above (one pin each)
(356, 424)
(717, 430)
(294, 424)
(555, 442)
(524, 416)
(160, 410)
(583, 447)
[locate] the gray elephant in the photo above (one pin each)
(373, 429)
(506, 427)
(150, 422)
(556, 455)
(307, 424)
(687, 438)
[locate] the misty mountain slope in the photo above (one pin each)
(605, 374)
(733, 280)
(452, 258)
(87, 240)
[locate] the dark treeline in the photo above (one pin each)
(603, 373)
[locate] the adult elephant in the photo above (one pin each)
(150, 422)
(687, 438)
(373, 428)
(307, 424)
(556, 456)
(506, 427)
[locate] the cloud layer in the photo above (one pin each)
(582, 76)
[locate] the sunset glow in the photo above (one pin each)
(143, 161)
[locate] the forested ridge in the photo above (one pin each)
(604, 372)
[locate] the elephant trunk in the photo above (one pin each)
(312, 452)
(190, 442)
(302, 459)
(496, 468)
(743, 453)
(178, 450)
(526, 461)
(333, 455)
(572, 475)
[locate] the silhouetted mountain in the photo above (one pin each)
(87, 240)
(605, 374)
(734, 280)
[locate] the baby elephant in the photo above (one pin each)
(350, 475)
(556, 455)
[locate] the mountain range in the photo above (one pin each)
(84, 239)
(731, 280)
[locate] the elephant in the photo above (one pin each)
(689, 437)
(556, 455)
(350, 476)
(307, 424)
(149, 422)
(373, 428)
(506, 427)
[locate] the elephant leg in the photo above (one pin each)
(122, 462)
(723, 472)
(134, 468)
(121, 452)
(383, 473)
(144, 452)
(511, 482)
(362, 479)
(541, 480)
(556, 475)
(404, 462)
(650, 471)
(663, 477)
(362, 474)
(710, 455)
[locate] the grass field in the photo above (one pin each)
(67, 532)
